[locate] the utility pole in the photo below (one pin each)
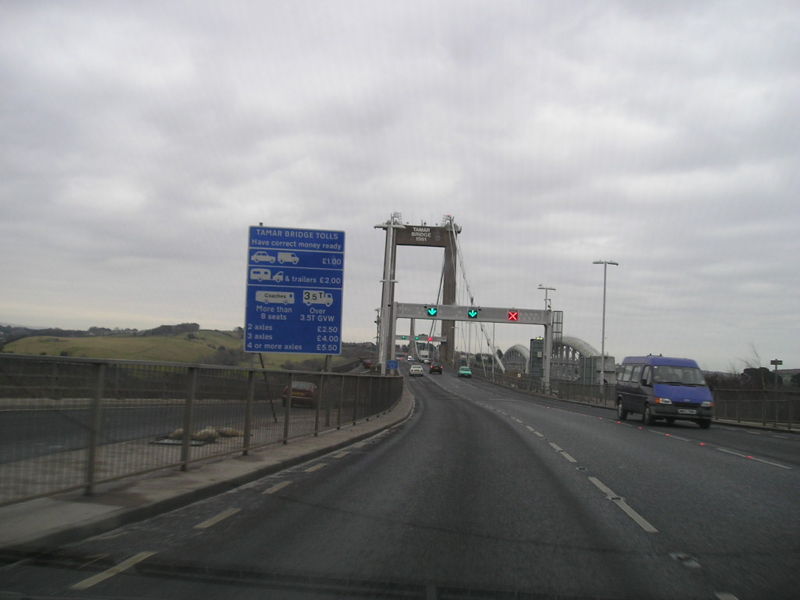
(546, 289)
(776, 362)
(605, 264)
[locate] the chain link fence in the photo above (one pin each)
(71, 423)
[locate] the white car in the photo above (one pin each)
(416, 371)
(288, 257)
(262, 256)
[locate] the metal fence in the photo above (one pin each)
(71, 423)
(778, 408)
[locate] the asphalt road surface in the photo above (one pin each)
(483, 493)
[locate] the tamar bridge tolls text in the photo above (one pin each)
(298, 245)
(293, 233)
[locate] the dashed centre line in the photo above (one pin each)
(568, 457)
(277, 487)
(316, 467)
(217, 518)
(624, 506)
(115, 570)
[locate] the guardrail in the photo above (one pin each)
(777, 408)
(72, 423)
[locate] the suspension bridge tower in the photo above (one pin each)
(436, 236)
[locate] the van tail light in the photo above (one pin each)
(663, 401)
(707, 404)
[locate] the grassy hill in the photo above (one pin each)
(206, 346)
(176, 348)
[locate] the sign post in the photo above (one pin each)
(294, 291)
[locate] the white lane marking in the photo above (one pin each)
(725, 596)
(780, 437)
(277, 487)
(529, 428)
(341, 454)
(555, 447)
(624, 506)
(686, 560)
(216, 519)
(538, 434)
(115, 570)
(683, 439)
(568, 457)
(750, 457)
(316, 467)
(517, 420)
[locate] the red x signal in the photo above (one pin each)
(513, 315)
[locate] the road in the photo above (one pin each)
(483, 493)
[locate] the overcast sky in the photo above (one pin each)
(139, 140)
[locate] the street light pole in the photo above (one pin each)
(605, 264)
(546, 289)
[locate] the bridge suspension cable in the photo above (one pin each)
(459, 257)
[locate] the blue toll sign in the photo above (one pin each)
(294, 291)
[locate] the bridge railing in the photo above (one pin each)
(71, 423)
(776, 408)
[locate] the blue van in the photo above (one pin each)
(660, 387)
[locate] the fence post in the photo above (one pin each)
(341, 401)
(248, 410)
(355, 400)
(368, 408)
(186, 442)
(94, 429)
(287, 409)
(777, 403)
(327, 412)
(318, 402)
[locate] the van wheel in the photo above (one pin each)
(704, 423)
(622, 414)
(647, 416)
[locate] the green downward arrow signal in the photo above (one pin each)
(472, 313)
(432, 311)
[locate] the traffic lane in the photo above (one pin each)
(768, 445)
(735, 515)
(451, 499)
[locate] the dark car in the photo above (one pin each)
(303, 393)
(435, 368)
